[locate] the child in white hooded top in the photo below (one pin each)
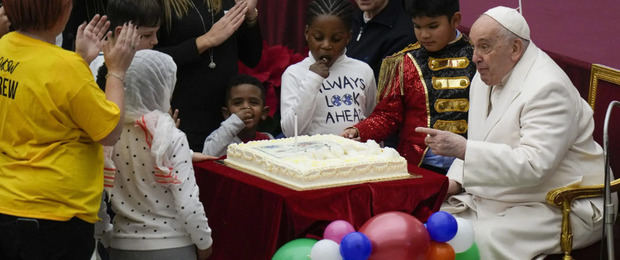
(155, 195)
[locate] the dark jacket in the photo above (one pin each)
(200, 90)
(385, 34)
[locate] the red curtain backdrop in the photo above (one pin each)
(282, 23)
(583, 30)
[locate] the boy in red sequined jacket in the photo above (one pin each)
(425, 84)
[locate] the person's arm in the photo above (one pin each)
(298, 97)
(89, 39)
(223, 28)
(388, 115)
(182, 184)
(217, 142)
(190, 50)
(118, 57)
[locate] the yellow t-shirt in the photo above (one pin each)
(51, 116)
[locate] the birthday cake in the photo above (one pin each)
(310, 162)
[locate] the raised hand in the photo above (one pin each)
(223, 28)
(251, 13)
(118, 55)
(89, 38)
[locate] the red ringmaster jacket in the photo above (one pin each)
(421, 88)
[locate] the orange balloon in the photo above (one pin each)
(440, 251)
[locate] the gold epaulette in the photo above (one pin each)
(410, 47)
(388, 70)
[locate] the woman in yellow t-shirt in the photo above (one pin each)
(53, 122)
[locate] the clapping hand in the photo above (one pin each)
(224, 27)
(118, 55)
(89, 39)
(251, 13)
(443, 142)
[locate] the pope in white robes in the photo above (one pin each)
(529, 132)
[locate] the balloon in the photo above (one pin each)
(464, 237)
(395, 236)
(337, 230)
(298, 249)
(441, 226)
(471, 254)
(325, 249)
(440, 251)
(355, 246)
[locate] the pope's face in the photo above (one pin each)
(493, 53)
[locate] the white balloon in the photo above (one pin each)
(325, 249)
(464, 237)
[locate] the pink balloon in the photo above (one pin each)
(336, 230)
(395, 236)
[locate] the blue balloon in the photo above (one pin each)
(441, 226)
(355, 246)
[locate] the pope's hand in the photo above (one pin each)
(443, 142)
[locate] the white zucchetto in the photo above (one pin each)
(510, 19)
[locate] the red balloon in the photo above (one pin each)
(440, 251)
(395, 236)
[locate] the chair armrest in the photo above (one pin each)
(563, 198)
(560, 195)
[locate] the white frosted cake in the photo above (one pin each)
(309, 162)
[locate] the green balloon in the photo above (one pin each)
(471, 254)
(298, 249)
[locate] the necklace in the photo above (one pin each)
(212, 63)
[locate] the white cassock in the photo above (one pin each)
(537, 136)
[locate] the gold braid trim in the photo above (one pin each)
(387, 73)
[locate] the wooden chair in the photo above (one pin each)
(604, 88)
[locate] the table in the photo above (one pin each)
(251, 217)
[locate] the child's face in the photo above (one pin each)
(148, 37)
(246, 101)
(327, 37)
(434, 33)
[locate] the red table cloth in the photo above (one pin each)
(251, 217)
